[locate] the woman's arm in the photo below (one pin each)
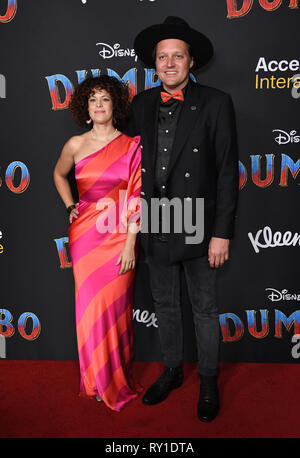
(63, 166)
(127, 255)
(133, 214)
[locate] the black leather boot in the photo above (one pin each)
(171, 378)
(208, 404)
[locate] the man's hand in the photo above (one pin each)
(218, 251)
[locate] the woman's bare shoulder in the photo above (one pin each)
(76, 141)
(74, 144)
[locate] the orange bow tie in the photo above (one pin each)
(165, 96)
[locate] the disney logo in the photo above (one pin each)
(107, 51)
(284, 137)
(282, 295)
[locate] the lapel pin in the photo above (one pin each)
(193, 107)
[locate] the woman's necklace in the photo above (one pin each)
(103, 139)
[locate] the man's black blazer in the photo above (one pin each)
(203, 164)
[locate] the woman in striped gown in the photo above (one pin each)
(102, 236)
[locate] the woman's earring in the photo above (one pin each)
(88, 121)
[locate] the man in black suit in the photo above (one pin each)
(189, 153)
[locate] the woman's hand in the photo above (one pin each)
(74, 213)
(127, 259)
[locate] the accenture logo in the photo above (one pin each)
(107, 51)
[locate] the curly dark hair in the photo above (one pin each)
(117, 90)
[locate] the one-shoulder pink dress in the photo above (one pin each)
(109, 185)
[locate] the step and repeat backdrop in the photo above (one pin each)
(47, 47)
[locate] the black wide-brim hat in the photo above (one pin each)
(201, 48)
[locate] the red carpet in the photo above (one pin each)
(39, 399)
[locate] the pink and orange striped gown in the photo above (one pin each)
(109, 184)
